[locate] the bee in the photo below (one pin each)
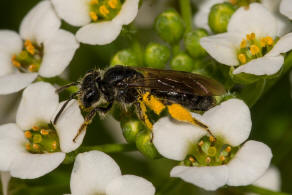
(179, 92)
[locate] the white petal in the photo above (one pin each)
(128, 12)
(92, 172)
(10, 42)
(6, 65)
(38, 104)
(230, 120)
(11, 144)
(101, 33)
(40, 23)
(266, 65)
(29, 166)
(130, 185)
(208, 178)
(284, 25)
(249, 164)
(271, 5)
(256, 19)
(75, 12)
(222, 47)
(270, 180)
(174, 139)
(58, 52)
(286, 8)
(15, 82)
(5, 178)
(202, 16)
(68, 125)
(282, 46)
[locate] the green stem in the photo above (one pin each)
(58, 81)
(260, 190)
(168, 186)
(186, 12)
(107, 148)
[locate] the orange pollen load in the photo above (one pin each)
(35, 128)
(44, 132)
(93, 16)
(228, 149)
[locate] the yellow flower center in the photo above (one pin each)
(102, 10)
(42, 139)
(253, 47)
(29, 59)
(209, 153)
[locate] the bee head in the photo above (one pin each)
(89, 91)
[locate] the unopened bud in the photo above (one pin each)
(182, 62)
(126, 57)
(192, 43)
(156, 55)
(131, 127)
(219, 17)
(145, 145)
(170, 26)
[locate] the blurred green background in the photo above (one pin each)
(272, 120)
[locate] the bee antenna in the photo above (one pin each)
(59, 90)
(63, 107)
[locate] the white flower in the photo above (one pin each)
(32, 148)
(201, 17)
(39, 48)
(5, 178)
(270, 180)
(286, 8)
(97, 173)
(250, 43)
(101, 21)
(230, 121)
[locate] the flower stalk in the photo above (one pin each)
(186, 12)
(106, 148)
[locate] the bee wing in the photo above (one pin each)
(177, 81)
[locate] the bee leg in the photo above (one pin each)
(90, 116)
(179, 113)
(59, 90)
(143, 115)
(63, 107)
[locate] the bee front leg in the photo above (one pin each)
(90, 116)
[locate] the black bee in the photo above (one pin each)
(144, 87)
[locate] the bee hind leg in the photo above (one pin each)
(179, 113)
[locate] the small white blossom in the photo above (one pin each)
(41, 47)
(250, 43)
(22, 152)
(230, 121)
(101, 22)
(270, 180)
(201, 17)
(5, 178)
(286, 8)
(97, 173)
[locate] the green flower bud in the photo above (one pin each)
(219, 17)
(156, 55)
(170, 26)
(131, 127)
(145, 145)
(182, 62)
(192, 43)
(125, 57)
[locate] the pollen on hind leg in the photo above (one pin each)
(179, 113)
